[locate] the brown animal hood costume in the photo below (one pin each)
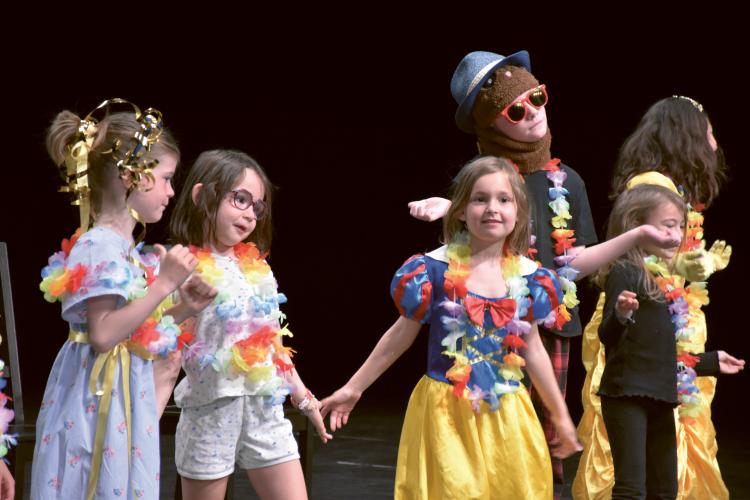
(502, 89)
(483, 85)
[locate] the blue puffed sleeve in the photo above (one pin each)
(545, 293)
(104, 256)
(411, 289)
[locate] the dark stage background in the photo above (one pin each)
(351, 123)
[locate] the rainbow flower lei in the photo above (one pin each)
(563, 236)
(6, 416)
(158, 335)
(456, 321)
(681, 302)
(247, 356)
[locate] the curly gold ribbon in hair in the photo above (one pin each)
(131, 167)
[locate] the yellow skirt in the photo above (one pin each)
(447, 451)
(698, 473)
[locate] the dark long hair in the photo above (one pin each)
(671, 138)
(219, 170)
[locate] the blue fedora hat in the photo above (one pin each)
(473, 70)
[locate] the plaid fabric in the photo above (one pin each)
(558, 349)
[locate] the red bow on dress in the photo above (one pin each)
(501, 310)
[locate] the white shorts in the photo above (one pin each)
(245, 430)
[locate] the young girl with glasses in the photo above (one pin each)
(470, 430)
(97, 434)
(238, 370)
(650, 366)
(505, 107)
(672, 146)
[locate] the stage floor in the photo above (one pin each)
(360, 461)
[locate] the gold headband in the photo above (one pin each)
(654, 178)
(131, 167)
(692, 101)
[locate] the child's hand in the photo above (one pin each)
(729, 364)
(196, 294)
(626, 304)
(340, 404)
(429, 209)
(166, 371)
(566, 441)
(176, 265)
(317, 420)
(7, 483)
(310, 407)
(650, 235)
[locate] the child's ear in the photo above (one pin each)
(196, 191)
(462, 217)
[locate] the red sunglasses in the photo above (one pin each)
(516, 111)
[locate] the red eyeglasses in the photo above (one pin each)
(516, 111)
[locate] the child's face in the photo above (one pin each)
(531, 128)
(150, 204)
(233, 224)
(490, 214)
(667, 218)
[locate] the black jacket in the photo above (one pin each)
(642, 355)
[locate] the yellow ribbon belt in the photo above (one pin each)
(105, 366)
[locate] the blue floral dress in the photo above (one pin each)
(100, 262)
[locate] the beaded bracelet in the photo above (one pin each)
(307, 404)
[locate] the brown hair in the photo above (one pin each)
(631, 210)
(517, 241)
(219, 170)
(671, 138)
(116, 128)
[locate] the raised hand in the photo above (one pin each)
(196, 294)
(720, 253)
(429, 209)
(176, 265)
(340, 404)
(626, 304)
(651, 236)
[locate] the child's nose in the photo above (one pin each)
(531, 111)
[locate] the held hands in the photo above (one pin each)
(566, 441)
(626, 304)
(429, 209)
(310, 407)
(340, 404)
(196, 294)
(728, 364)
(176, 265)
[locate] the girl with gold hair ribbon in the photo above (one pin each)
(673, 146)
(97, 430)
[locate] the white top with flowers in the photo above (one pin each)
(237, 346)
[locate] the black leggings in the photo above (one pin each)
(643, 440)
